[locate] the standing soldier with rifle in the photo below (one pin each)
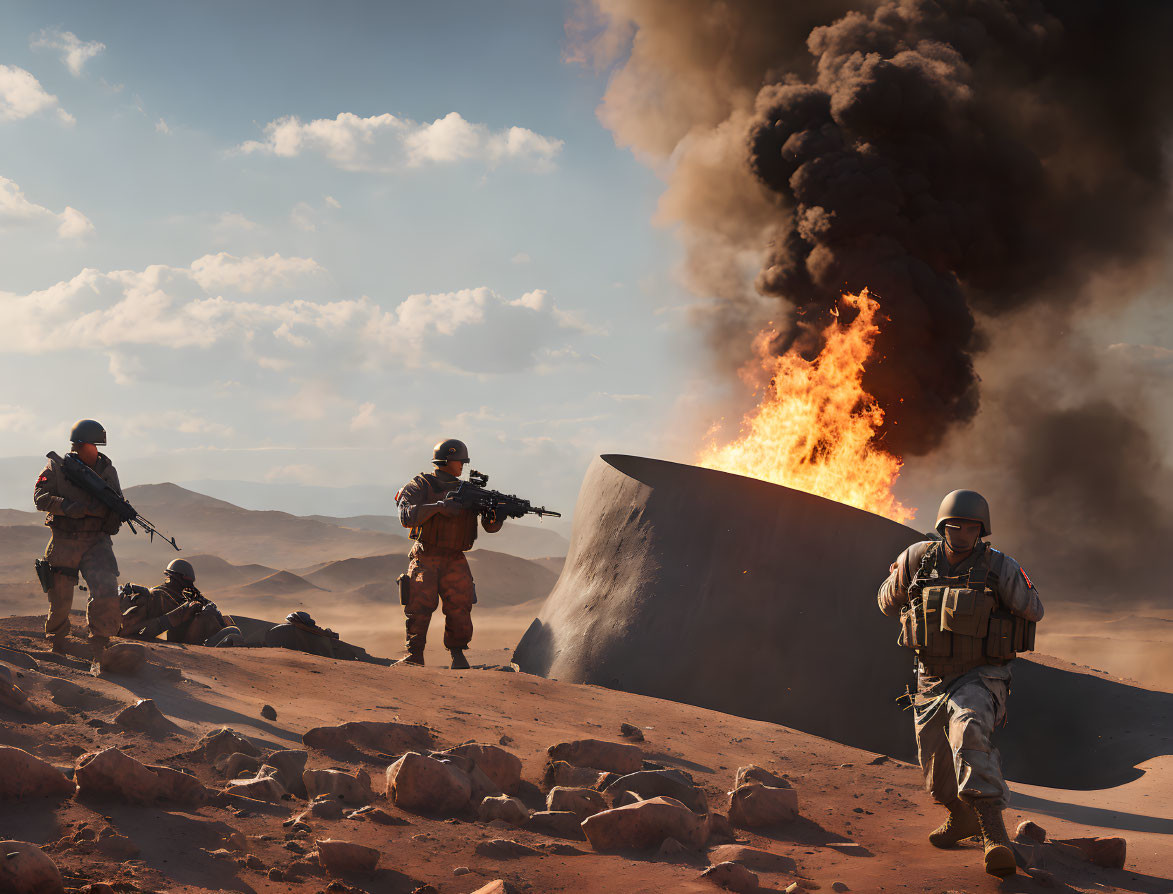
(442, 512)
(81, 526)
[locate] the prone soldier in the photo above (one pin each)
(176, 608)
(443, 530)
(966, 609)
(79, 542)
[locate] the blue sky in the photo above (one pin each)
(300, 242)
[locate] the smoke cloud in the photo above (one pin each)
(965, 160)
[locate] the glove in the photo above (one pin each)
(449, 508)
(72, 509)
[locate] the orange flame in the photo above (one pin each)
(814, 429)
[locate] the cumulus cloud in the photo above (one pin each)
(16, 210)
(199, 307)
(75, 53)
(385, 143)
(22, 96)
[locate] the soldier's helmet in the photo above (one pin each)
(300, 618)
(182, 568)
(967, 504)
(87, 431)
(451, 449)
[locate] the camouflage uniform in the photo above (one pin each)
(959, 702)
(438, 570)
(80, 542)
(169, 608)
(306, 636)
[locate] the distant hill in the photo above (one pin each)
(279, 583)
(517, 538)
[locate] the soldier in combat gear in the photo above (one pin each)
(966, 609)
(79, 542)
(176, 608)
(438, 572)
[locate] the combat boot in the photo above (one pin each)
(413, 657)
(60, 643)
(459, 662)
(961, 824)
(999, 853)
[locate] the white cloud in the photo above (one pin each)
(162, 127)
(125, 368)
(520, 258)
(75, 53)
(385, 143)
(473, 331)
(17, 210)
(21, 96)
(302, 217)
(232, 223)
(365, 418)
(333, 202)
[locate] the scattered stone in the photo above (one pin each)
(582, 802)
(260, 788)
(325, 807)
(755, 805)
(269, 712)
(503, 768)
(350, 789)
(25, 869)
(751, 858)
(555, 823)
(235, 841)
(503, 807)
(505, 849)
(505, 740)
(253, 862)
(290, 766)
(631, 732)
(110, 773)
(223, 741)
(480, 784)
(236, 764)
(23, 775)
(387, 737)
(145, 716)
(339, 857)
(416, 782)
(123, 658)
(645, 825)
(111, 843)
(732, 877)
(794, 888)
(500, 886)
(670, 783)
(754, 773)
(461, 870)
(276, 875)
(179, 787)
(615, 757)
(1107, 852)
(570, 776)
(377, 815)
(1030, 833)
(839, 886)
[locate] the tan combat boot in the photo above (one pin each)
(999, 853)
(459, 662)
(413, 657)
(961, 824)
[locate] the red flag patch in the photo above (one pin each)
(1025, 578)
(42, 479)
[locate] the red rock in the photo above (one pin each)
(556, 823)
(260, 788)
(500, 886)
(123, 658)
(387, 737)
(755, 805)
(582, 802)
(498, 764)
(645, 825)
(416, 782)
(25, 869)
(732, 877)
(349, 789)
(754, 773)
(338, 857)
(1108, 852)
(751, 858)
(560, 773)
(23, 775)
(615, 757)
(145, 716)
(110, 773)
(224, 741)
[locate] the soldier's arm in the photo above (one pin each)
(412, 508)
(1018, 592)
(47, 499)
(893, 594)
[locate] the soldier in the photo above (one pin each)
(965, 609)
(301, 633)
(443, 531)
(81, 527)
(176, 608)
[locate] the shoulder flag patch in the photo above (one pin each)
(1025, 578)
(42, 479)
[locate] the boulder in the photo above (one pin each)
(1030, 833)
(482, 786)
(340, 857)
(503, 807)
(259, 788)
(720, 828)
(386, 737)
(495, 762)
(269, 712)
(754, 773)
(23, 775)
(416, 782)
(1108, 852)
(570, 776)
(324, 807)
(145, 717)
(505, 849)
(112, 774)
(377, 815)
(123, 658)
(349, 789)
(645, 825)
(582, 802)
(751, 858)
(236, 764)
(26, 869)
(672, 850)
(732, 877)
(615, 757)
(290, 766)
(179, 788)
(754, 805)
(670, 783)
(223, 741)
(555, 823)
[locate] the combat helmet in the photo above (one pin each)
(87, 431)
(968, 504)
(449, 450)
(181, 568)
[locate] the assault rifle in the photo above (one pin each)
(473, 494)
(97, 487)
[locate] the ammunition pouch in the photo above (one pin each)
(46, 571)
(404, 582)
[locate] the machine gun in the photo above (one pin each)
(93, 484)
(473, 494)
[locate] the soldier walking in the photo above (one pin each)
(79, 541)
(966, 609)
(438, 572)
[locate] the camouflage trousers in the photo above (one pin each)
(92, 554)
(954, 737)
(439, 576)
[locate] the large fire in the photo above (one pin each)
(814, 428)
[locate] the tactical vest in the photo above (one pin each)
(459, 532)
(956, 623)
(107, 523)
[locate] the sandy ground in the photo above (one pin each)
(863, 822)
